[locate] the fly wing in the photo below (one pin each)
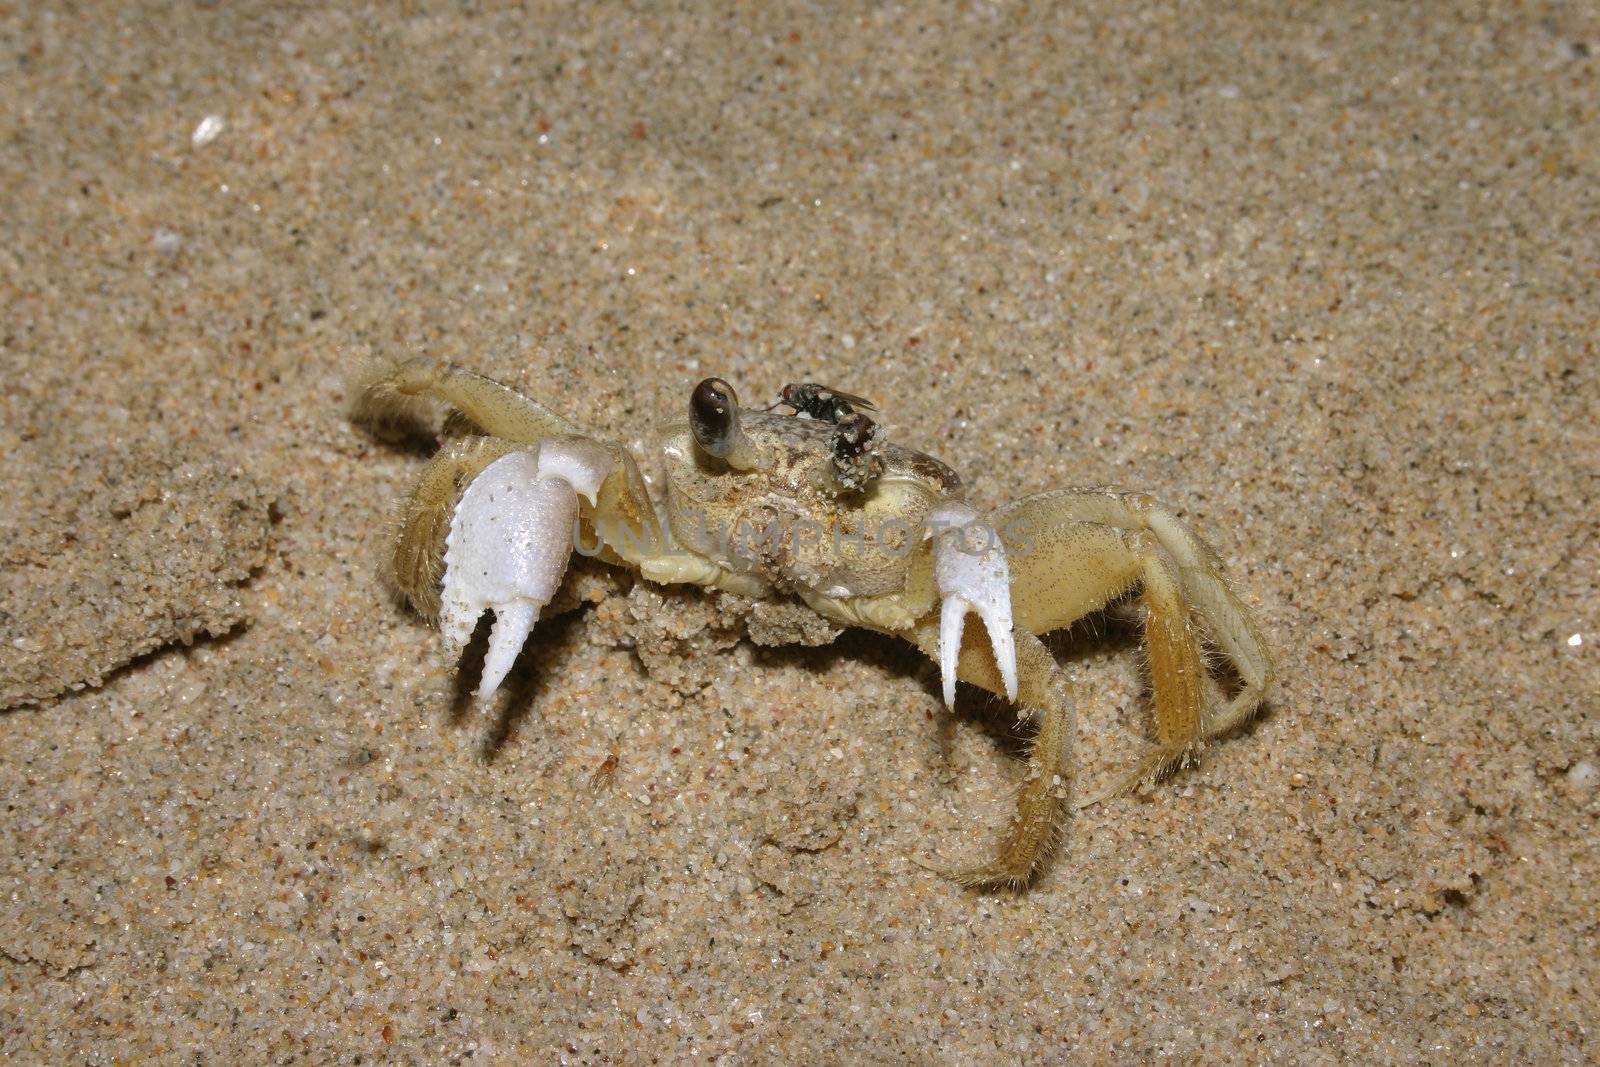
(853, 400)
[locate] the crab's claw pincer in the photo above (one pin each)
(509, 542)
(970, 566)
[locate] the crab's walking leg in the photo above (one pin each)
(1226, 622)
(397, 390)
(632, 531)
(1177, 673)
(1075, 550)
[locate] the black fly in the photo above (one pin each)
(822, 403)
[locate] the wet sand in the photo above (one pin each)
(1322, 278)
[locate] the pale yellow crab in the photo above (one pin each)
(811, 505)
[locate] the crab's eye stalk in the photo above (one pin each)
(714, 416)
(714, 420)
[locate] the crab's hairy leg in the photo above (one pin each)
(387, 393)
(1062, 571)
(416, 565)
(1218, 609)
(1222, 617)
(1177, 674)
(623, 514)
(1041, 800)
(1074, 550)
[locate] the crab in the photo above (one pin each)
(811, 504)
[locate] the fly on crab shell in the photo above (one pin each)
(816, 401)
(863, 532)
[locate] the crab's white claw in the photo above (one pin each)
(509, 542)
(970, 566)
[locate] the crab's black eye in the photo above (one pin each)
(714, 417)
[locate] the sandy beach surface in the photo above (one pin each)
(1325, 278)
